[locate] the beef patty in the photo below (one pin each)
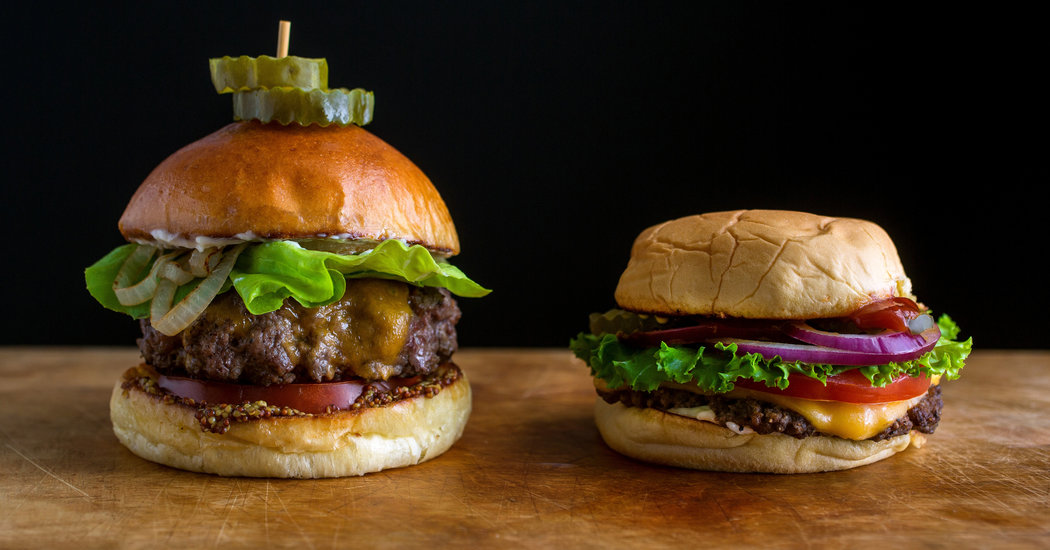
(379, 329)
(766, 418)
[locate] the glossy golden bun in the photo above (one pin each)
(333, 445)
(761, 264)
(654, 436)
(251, 181)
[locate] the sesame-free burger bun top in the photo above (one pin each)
(761, 264)
(254, 181)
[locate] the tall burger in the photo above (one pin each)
(296, 306)
(767, 341)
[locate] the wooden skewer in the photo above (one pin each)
(284, 30)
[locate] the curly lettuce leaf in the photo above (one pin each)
(715, 368)
(946, 359)
(712, 369)
(267, 273)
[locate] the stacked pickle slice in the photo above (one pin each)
(288, 90)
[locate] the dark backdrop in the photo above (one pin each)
(556, 131)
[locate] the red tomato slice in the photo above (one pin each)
(892, 314)
(314, 398)
(849, 387)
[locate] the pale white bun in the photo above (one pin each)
(654, 436)
(761, 264)
(254, 181)
(342, 444)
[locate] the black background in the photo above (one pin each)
(556, 131)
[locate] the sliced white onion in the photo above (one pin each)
(161, 303)
(132, 266)
(174, 272)
(143, 290)
(203, 262)
(186, 311)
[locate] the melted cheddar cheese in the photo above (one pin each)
(846, 420)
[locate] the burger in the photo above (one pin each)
(296, 304)
(767, 341)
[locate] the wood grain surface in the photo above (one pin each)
(530, 471)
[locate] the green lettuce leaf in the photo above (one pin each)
(267, 273)
(100, 276)
(715, 368)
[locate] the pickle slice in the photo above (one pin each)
(619, 320)
(323, 107)
(238, 74)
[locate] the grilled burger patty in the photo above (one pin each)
(765, 418)
(378, 330)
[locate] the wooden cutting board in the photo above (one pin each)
(530, 471)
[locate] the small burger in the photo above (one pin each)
(296, 307)
(767, 341)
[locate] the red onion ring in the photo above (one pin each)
(810, 345)
(885, 342)
(808, 353)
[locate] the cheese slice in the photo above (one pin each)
(846, 420)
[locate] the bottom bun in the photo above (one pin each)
(663, 438)
(344, 443)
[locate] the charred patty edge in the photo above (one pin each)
(766, 418)
(287, 346)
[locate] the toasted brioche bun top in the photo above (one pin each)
(761, 264)
(254, 181)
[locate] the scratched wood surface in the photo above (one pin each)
(530, 471)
